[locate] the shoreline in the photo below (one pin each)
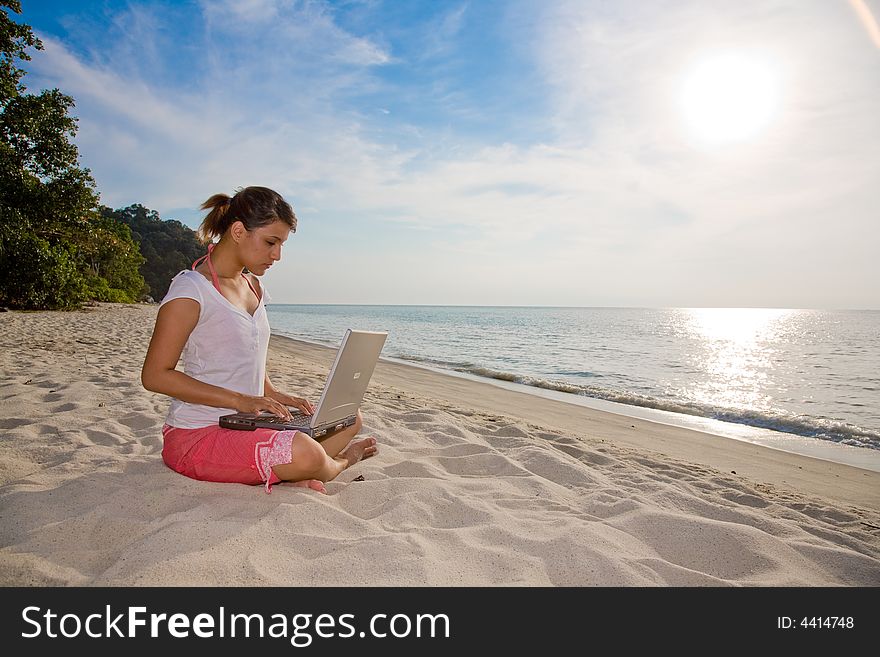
(859, 457)
(695, 366)
(813, 447)
(820, 476)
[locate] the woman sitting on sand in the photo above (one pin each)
(215, 315)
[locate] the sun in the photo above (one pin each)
(729, 97)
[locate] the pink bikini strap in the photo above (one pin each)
(248, 281)
(214, 277)
(207, 257)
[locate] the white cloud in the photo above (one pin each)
(247, 11)
(439, 37)
(289, 31)
(125, 100)
(171, 144)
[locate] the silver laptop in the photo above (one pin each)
(343, 392)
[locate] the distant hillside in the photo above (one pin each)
(167, 246)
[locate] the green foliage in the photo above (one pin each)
(45, 276)
(112, 260)
(56, 249)
(100, 290)
(15, 39)
(167, 246)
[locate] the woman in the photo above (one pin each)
(215, 316)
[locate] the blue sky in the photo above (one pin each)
(671, 153)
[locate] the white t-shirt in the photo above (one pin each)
(227, 348)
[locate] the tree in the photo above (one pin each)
(56, 250)
(167, 246)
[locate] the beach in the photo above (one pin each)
(473, 485)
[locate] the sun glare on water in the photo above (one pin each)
(729, 97)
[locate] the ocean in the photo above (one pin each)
(811, 374)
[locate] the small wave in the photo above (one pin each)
(809, 427)
(307, 339)
(580, 374)
(444, 364)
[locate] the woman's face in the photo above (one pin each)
(261, 247)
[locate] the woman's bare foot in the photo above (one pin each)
(314, 484)
(360, 448)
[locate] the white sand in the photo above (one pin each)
(472, 486)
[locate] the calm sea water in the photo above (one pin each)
(807, 372)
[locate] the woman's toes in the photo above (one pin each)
(314, 484)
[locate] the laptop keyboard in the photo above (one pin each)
(298, 418)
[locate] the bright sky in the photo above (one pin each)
(562, 152)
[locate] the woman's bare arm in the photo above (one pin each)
(174, 324)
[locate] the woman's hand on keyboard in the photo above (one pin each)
(299, 403)
(252, 404)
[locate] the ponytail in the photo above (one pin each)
(217, 220)
(253, 206)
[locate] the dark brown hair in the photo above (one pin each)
(252, 206)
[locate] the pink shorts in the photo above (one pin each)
(218, 454)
